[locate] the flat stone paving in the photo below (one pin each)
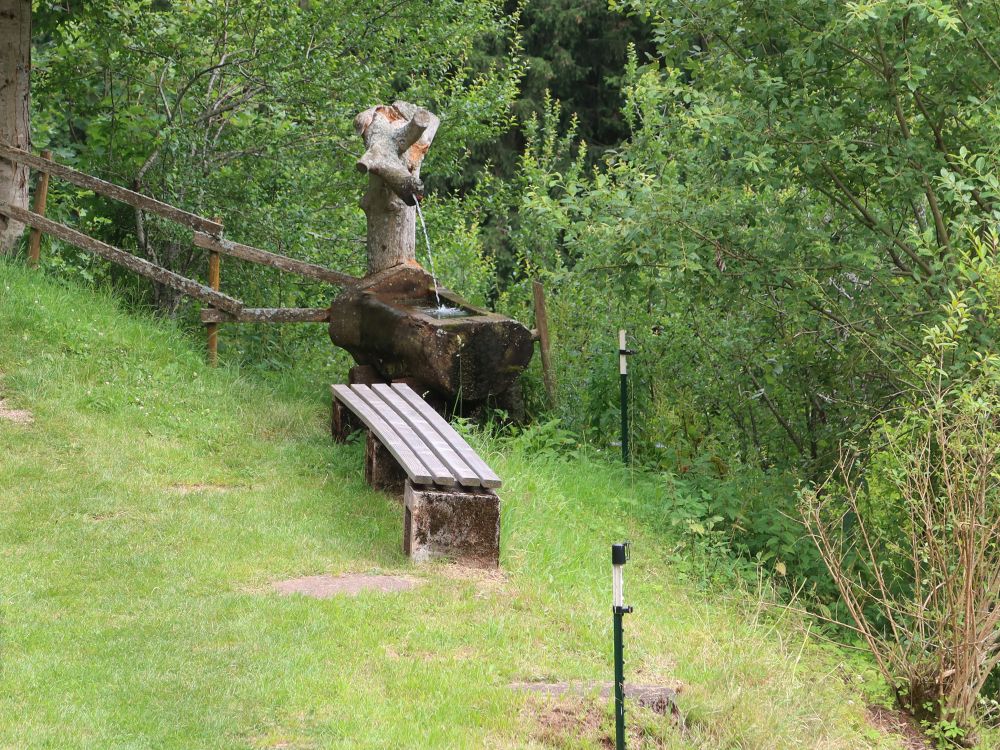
(17, 416)
(349, 584)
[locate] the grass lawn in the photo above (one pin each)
(152, 502)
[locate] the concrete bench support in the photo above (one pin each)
(463, 526)
(382, 471)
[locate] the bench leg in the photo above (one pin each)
(461, 526)
(343, 422)
(382, 471)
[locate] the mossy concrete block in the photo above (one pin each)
(463, 526)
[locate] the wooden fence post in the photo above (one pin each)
(38, 206)
(212, 329)
(542, 326)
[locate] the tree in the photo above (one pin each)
(575, 52)
(15, 71)
(800, 187)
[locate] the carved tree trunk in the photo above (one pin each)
(396, 138)
(15, 69)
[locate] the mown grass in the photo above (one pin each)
(153, 501)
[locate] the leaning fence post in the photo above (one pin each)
(212, 329)
(542, 327)
(38, 206)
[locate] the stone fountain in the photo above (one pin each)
(391, 322)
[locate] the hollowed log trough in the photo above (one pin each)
(388, 323)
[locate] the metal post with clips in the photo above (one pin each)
(619, 556)
(623, 355)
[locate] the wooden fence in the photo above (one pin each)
(206, 234)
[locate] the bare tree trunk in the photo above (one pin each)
(15, 70)
(396, 137)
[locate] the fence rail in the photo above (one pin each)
(268, 315)
(125, 259)
(111, 190)
(207, 234)
(266, 258)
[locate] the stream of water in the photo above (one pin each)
(430, 256)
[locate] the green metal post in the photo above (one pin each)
(619, 682)
(619, 556)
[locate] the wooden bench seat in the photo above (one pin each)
(451, 508)
(427, 448)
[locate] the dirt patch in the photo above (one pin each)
(350, 584)
(190, 489)
(567, 720)
(659, 699)
(399, 652)
(486, 580)
(17, 416)
(563, 720)
(901, 724)
(108, 516)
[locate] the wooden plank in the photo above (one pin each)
(446, 431)
(393, 443)
(38, 206)
(542, 326)
(441, 473)
(281, 262)
(127, 260)
(111, 190)
(461, 470)
(268, 315)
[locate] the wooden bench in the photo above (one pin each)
(450, 507)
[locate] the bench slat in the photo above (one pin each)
(416, 443)
(446, 431)
(414, 469)
(461, 470)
